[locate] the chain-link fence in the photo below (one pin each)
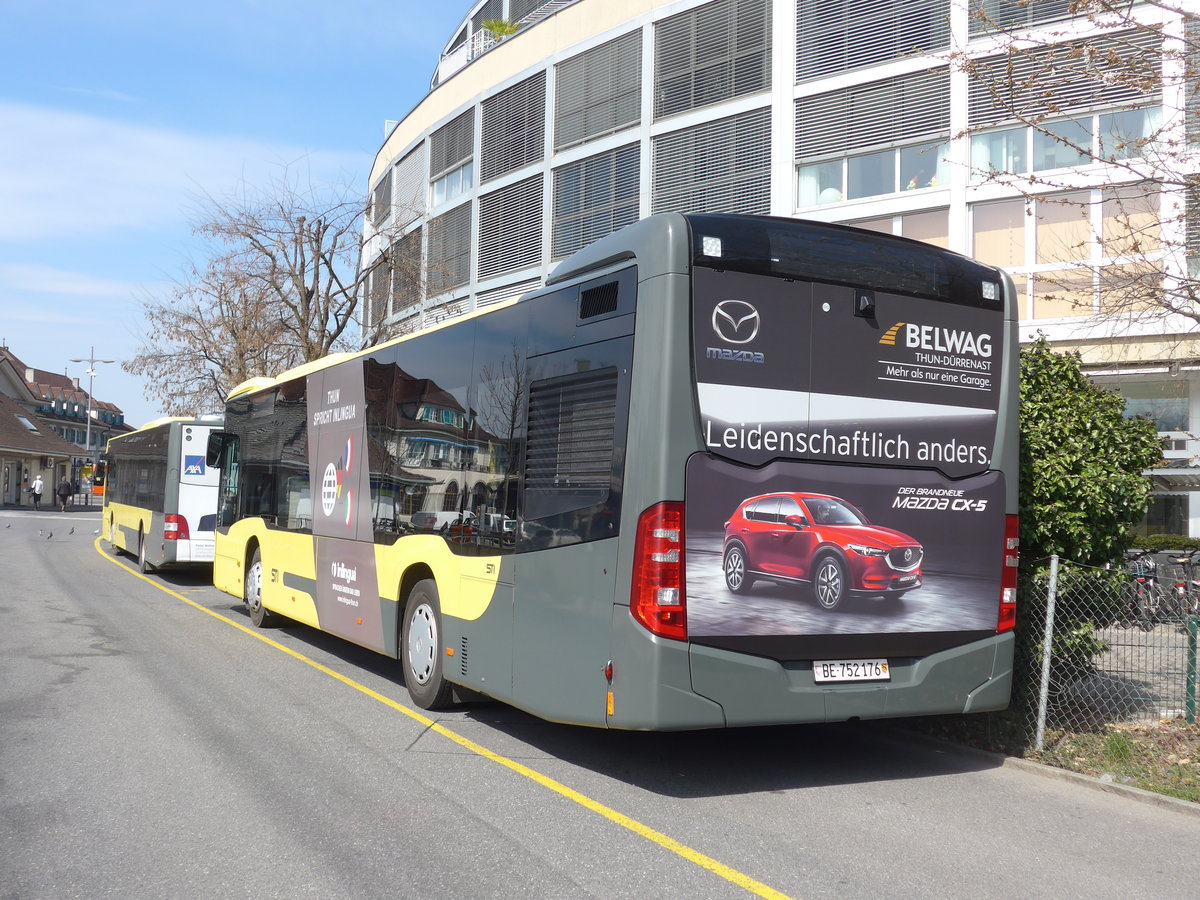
(1099, 646)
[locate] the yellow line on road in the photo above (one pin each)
(693, 856)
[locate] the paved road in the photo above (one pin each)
(151, 747)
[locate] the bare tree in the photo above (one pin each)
(1050, 62)
(279, 289)
(217, 330)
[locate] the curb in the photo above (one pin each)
(1186, 807)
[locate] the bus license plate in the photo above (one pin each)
(825, 670)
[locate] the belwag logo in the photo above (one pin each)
(735, 322)
(334, 486)
(935, 339)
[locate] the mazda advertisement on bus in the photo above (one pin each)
(847, 488)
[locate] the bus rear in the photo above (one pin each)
(189, 523)
(845, 542)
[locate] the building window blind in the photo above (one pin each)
(713, 53)
(448, 264)
(406, 270)
(598, 91)
(452, 144)
(988, 16)
(1108, 70)
(843, 35)
(510, 228)
(409, 187)
(594, 197)
(513, 128)
(490, 11)
(721, 166)
(905, 108)
(381, 200)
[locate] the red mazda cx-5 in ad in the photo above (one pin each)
(823, 540)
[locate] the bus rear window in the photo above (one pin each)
(812, 251)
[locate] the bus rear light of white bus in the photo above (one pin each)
(657, 598)
(1007, 619)
(175, 528)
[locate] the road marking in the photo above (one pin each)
(645, 831)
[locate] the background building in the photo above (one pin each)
(52, 411)
(905, 116)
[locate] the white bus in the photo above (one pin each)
(160, 499)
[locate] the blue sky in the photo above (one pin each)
(116, 117)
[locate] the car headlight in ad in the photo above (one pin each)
(864, 550)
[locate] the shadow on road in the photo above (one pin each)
(687, 764)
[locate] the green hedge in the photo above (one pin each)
(1165, 542)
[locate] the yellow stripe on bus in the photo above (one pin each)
(757, 888)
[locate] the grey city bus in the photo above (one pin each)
(721, 470)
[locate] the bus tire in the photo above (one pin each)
(829, 582)
(737, 569)
(143, 564)
(420, 647)
(252, 594)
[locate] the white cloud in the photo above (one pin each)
(69, 175)
(36, 278)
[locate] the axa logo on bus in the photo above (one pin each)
(938, 340)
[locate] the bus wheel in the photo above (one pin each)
(253, 594)
(421, 646)
(737, 573)
(143, 564)
(829, 585)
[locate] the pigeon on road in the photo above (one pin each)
(50, 535)
(72, 531)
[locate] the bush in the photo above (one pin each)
(1166, 542)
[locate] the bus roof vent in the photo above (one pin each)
(598, 301)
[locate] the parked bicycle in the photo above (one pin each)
(1185, 592)
(1144, 603)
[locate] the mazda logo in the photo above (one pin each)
(736, 321)
(907, 554)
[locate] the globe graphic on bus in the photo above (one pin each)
(329, 490)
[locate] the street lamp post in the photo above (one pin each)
(91, 374)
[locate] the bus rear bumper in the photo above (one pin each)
(976, 677)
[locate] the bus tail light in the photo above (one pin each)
(1007, 620)
(657, 598)
(175, 528)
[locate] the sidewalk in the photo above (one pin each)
(74, 509)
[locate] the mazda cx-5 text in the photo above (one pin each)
(821, 540)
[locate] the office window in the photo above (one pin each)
(594, 197)
(721, 166)
(598, 91)
(713, 53)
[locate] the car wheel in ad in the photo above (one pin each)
(737, 575)
(829, 582)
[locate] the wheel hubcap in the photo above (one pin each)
(829, 584)
(735, 570)
(422, 643)
(254, 587)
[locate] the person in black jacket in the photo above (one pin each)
(64, 491)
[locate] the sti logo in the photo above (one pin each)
(193, 465)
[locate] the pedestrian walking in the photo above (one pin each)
(64, 490)
(35, 491)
